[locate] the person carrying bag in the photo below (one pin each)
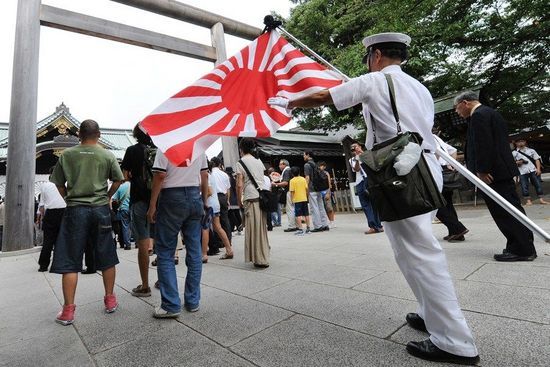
(399, 196)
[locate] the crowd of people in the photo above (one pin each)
(204, 204)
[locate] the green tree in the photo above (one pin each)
(503, 46)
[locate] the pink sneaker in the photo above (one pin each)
(110, 303)
(66, 315)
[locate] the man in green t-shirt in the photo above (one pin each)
(81, 176)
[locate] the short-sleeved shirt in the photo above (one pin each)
(414, 104)
(220, 181)
(50, 198)
(134, 162)
(298, 189)
(308, 171)
(256, 168)
(527, 166)
(180, 176)
(85, 170)
(359, 175)
(123, 196)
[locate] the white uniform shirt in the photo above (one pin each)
(213, 201)
(446, 147)
(527, 166)
(359, 174)
(50, 198)
(414, 104)
(220, 181)
(180, 176)
(267, 183)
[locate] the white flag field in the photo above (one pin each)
(231, 100)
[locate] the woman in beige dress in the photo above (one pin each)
(256, 243)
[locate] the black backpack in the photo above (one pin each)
(149, 154)
(318, 178)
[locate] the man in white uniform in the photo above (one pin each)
(530, 169)
(417, 252)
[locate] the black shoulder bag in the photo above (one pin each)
(265, 195)
(399, 197)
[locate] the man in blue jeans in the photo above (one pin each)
(375, 226)
(530, 169)
(181, 194)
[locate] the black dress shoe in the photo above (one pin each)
(261, 266)
(416, 322)
(509, 257)
(325, 228)
(428, 351)
(320, 229)
(290, 230)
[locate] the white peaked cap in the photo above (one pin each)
(386, 37)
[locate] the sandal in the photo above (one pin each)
(227, 256)
(371, 231)
(204, 260)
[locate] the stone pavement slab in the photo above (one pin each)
(530, 304)
(305, 342)
(227, 318)
(368, 313)
(173, 345)
(59, 347)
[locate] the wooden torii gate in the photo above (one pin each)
(31, 14)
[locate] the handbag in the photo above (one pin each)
(452, 180)
(265, 195)
(399, 197)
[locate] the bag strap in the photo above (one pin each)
(528, 157)
(391, 89)
(249, 175)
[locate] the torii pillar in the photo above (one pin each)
(19, 209)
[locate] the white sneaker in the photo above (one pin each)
(160, 313)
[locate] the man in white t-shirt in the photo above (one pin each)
(51, 208)
(530, 169)
(181, 194)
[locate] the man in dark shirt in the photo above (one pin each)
(316, 200)
(134, 167)
(489, 156)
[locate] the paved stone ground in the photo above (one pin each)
(331, 299)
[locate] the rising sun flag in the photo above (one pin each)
(231, 100)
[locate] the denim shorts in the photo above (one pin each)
(301, 209)
(141, 228)
(79, 225)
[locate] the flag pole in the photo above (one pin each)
(271, 23)
(522, 218)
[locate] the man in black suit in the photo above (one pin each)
(489, 156)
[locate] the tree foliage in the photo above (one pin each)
(503, 46)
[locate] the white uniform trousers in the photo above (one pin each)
(318, 213)
(424, 265)
(290, 211)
